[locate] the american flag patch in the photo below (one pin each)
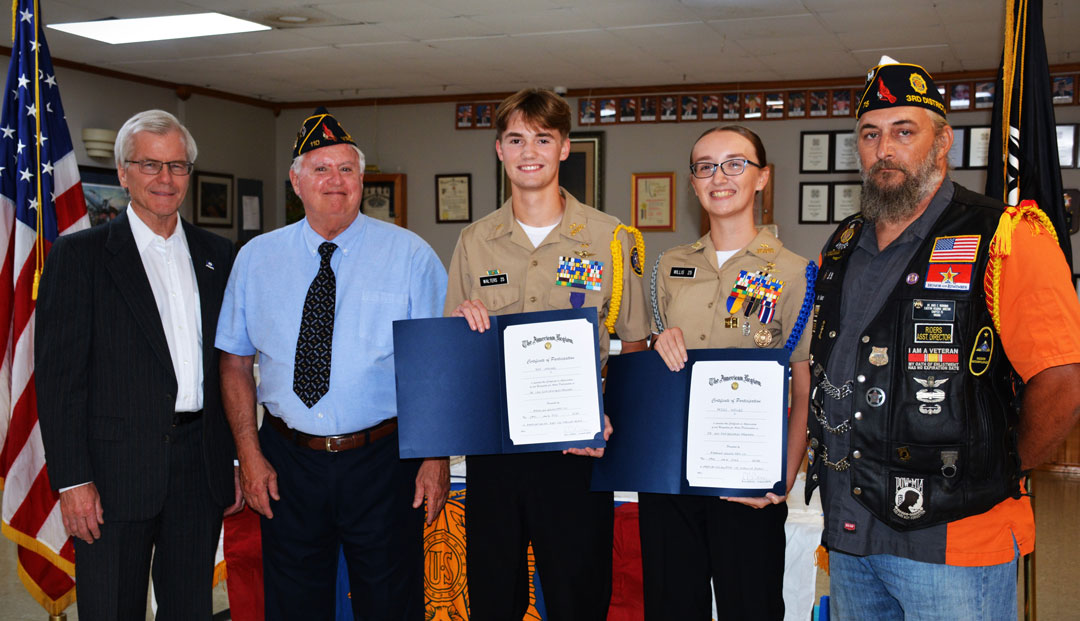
(960, 249)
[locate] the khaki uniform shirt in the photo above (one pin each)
(692, 293)
(495, 262)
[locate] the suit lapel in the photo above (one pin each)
(126, 268)
(205, 273)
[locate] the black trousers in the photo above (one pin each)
(113, 572)
(685, 540)
(543, 498)
(360, 499)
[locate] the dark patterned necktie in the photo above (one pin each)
(311, 375)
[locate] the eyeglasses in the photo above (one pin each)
(153, 167)
(731, 168)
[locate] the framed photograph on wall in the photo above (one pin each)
(483, 115)
(586, 111)
(816, 152)
(959, 96)
(796, 104)
(819, 103)
(105, 197)
(649, 107)
(753, 106)
(688, 108)
(984, 94)
(464, 116)
(730, 108)
(608, 110)
(453, 198)
(846, 199)
(710, 107)
(213, 199)
(669, 108)
(1063, 89)
(653, 201)
(384, 198)
(628, 108)
(774, 104)
(813, 203)
(841, 102)
(581, 174)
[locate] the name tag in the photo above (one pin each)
(683, 272)
(496, 279)
(933, 333)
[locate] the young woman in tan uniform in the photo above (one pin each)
(700, 300)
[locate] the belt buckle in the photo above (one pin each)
(329, 449)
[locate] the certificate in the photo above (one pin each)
(550, 382)
(815, 152)
(979, 147)
(956, 151)
(672, 438)
(653, 198)
(845, 155)
(847, 200)
(1066, 141)
(461, 392)
(453, 198)
(813, 203)
(733, 433)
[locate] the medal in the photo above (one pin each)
(731, 321)
(879, 356)
(746, 328)
(764, 337)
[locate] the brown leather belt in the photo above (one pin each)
(332, 444)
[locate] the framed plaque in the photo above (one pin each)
(669, 108)
(710, 107)
(453, 198)
(730, 106)
(1064, 89)
(813, 203)
(846, 199)
(959, 147)
(607, 110)
(841, 102)
(774, 104)
(814, 157)
(688, 110)
(1066, 142)
(648, 109)
(819, 103)
(984, 94)
(653, 201)
(959, 96)
(628, 107)
(845, 152)
(978, 147)
(796, 104)
(752, 105)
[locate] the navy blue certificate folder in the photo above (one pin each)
(451, 386)
(648, 406)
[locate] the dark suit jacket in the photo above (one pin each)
(105, 383)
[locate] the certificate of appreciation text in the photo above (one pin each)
(551, 388)
(735, 428)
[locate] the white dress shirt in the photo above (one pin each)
(172, 278)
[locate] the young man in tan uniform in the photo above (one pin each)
(510, 262)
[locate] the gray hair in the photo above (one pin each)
(298, 161)
(156, 122)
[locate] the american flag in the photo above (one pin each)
(961, 249)
(40, 197)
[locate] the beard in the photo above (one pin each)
(897, 203)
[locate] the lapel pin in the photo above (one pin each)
(210, 265)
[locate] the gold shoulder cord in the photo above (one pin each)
(617, 271)
(1001, 247)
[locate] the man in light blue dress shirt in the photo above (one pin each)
(324, 470)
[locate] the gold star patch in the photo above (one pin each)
(949, 275)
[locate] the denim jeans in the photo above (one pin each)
(883, 587)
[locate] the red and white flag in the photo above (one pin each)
(40, 198)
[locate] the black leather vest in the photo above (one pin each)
(934, 398)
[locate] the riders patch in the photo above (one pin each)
(909, 498)
(939, 333)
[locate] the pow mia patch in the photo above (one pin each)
(936, 333)
(683, 272)
(908, 499)
(494, 279)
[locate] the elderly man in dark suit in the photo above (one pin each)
(127, 383)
